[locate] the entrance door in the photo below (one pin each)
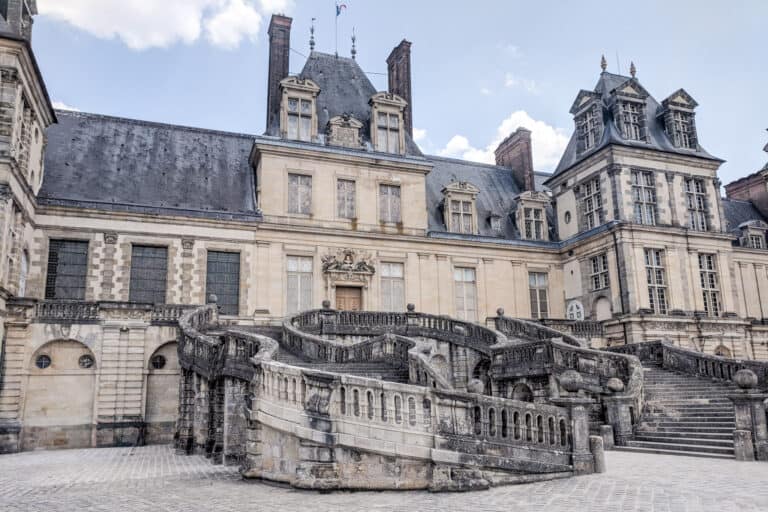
(349, 298)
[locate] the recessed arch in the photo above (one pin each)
(162, 385)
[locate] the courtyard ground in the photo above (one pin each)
(154, 478)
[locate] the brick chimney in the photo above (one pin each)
(279, 50)
(399, 70)
(18, 15)
(516, 153)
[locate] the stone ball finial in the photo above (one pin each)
(475, 386)
(411, 308)
(212, 299)
(326, 304)
(500, 312)
(571, 380)
(615, 384)
(745, 379)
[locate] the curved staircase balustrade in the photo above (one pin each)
(518, 328)
(690, 362)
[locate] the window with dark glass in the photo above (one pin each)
(223, 280)
(67, 269)
(592, 204)
(588, 129)
(682, 130)
(644, 197)
(598, 272)
(631, 120)
(149, 274)
(299, 119)
(534, 223)
(462, 216)
(710, 288)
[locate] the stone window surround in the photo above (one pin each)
(464, 192)
(462, 265)
(658, 289)
(533, 201)
(624, 108)
(646, 205)
(706, 207)
(580, 198)
(709, 275)
(387, 103)
(299, 172)
(390, 183)
(353, 179)
(302, 89)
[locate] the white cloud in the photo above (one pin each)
(511, 81)
(512, 50)
(60, 105)
(548, 142)
(419, 134)
(485, 91)
(143, 24)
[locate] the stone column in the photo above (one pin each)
(750, 439)
(582, 459)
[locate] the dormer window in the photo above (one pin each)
(588, 115)
(495, 223)
(460, 214)
(298, 117)
(753, 234)
(757, 241)
(678, 114)
(629, 110)
(534, 223)
(682, 130)
(587, 127)
(387, 135)
(532, 215)
(632, 120)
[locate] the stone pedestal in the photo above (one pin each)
(750, 439)
(618, 413)
(583, 460)
(606, 432)
(598, 453)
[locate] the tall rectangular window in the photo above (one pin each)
(465, 283)
(389, 203)
(709, 284)
(598, 272)
(592, 204)
(149, 273)
(299, 279)
(223, 280)
(696, 199)
(631, 120)
(299, 119)
(345, 199)
(588, 129)
(534, 223)
(392, 287)
(299, 194)
(757, 241)
(644, 197)
(538, 283)
(682, 130)
(388, 132)
(461, 217)
(67, 269)
(657, 280)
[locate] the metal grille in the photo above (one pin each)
(223, 280)
(67, 268)
(149, 272)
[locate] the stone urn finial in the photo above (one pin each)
(411, 308)
(500, 312)
(326, 304)
(615, 385)
(745, 379)
(212, 299)
(571, 380)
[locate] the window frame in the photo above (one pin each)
(387, 199)
(592, 203)
(298, 201)
(656, 280)
(533, 228)
(344, 203)
(644, 197)
(51, 278)
(299, 115)
(461, 288)
(224, 307)
(697, 204)
(599, 278)
(299, 286)
(388, 282)
(538, 293)
(132, 277)
(710, 284)
(632, 117)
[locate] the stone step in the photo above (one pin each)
(671, 422)
(659, 451)
(663, 438)
(682, 447)
(665, 433)
(692, 431)
(693, 402)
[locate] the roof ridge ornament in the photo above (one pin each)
(354, 50)
(632, 69)
(603, 63)
(312, 36)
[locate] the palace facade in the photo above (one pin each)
(110, 228)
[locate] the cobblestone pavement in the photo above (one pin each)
(153, 478)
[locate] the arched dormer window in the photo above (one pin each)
(298, 112)
(460, 210)
(387, 134)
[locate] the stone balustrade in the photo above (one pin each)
(518, 328)
(587, 330)
(93, 312)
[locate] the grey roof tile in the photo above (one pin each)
(737, 212)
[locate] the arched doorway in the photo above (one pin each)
(521, 392)
(58, 402)
(481, 372)
(162, 405)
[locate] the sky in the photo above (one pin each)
(480, 69)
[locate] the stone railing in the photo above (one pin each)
(422, 372)
(91, 312)
(68, 311)
(517, 328)
(583, 329)
(694, 363)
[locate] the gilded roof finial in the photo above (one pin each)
(632, 69)
(603, 63)
(312, 36)
(354, 50)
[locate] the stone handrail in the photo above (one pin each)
(422, 372)
(578, 328)
(516, 328)
(80, 311)
(67, 310)
(687, 361)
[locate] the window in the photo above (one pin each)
(496, 223)
(644, 197)
(534, 223)
(389, 203)
(588, 129)
(755, 242)
(67, 267)
(157, 362)
(656, 279)
(388, 132)
(598, 272)
(43, 361)
(466, 293)
(631, 120)
(299, 283)
(709, 285)
(592, 204)
(299, 194)
(682, 130)
(575, 310)
(695, 195)
(345, 199)
(538, 283)
(86, 361)
(149, 273)
(299, 119)
(223, 280)
(392, 287)
(461, 216)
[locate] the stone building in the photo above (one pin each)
(112, 227)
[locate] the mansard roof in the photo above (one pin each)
(607, 86)
(344, 89)
(738, 212)
(109, 163)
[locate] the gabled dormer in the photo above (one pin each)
(677, 114)
(344, 131)
(753, 234)
(587, 111)
(531, 215)
(387, 133)
(298, 109)
(460, 208)
(628, 103)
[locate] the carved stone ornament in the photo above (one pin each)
(110, 238)
(348, 265)
(187, 243)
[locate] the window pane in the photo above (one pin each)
(149, 273)
(293, 126)
(293, 105)
(67, 269)
(223, 280)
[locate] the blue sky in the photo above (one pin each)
(480, 69)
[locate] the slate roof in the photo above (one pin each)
(737, 212)
(103, 162)
(344, 89)
(657, 136)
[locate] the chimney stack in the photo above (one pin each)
(399, 71)
(18, 15)
(516, 153)
(279, 52)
